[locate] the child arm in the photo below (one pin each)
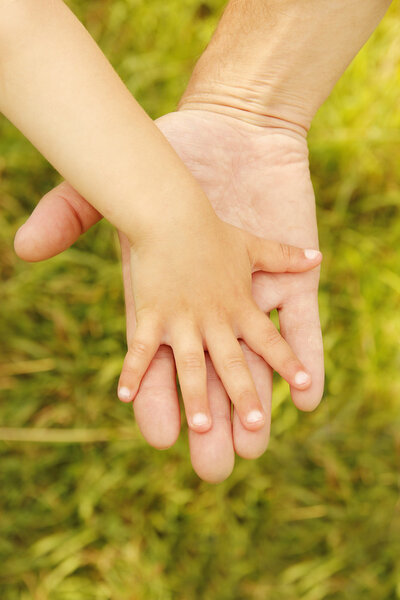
(58, 88)
(191, 272)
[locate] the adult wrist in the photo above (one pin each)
(274, 63)
(251, 82)
(247, 106)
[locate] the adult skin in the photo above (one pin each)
(241, 129)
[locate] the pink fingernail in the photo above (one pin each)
(301, 378)
(124, 394)
(311, 254)
(254, 416)
(200, 419)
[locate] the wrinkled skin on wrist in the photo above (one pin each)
(272, 63)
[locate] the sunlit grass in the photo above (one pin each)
(87, 508)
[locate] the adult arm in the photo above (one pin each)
(274, 62)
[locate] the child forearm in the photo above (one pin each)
(60, 91)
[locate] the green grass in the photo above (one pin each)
(103, 515)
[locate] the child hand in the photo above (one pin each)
(192, 291)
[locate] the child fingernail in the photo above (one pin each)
(124, 394)
(254, 416)
(311, 254)
(301, 378)
(200, 420)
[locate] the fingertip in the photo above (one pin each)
(307, 400)
(307, 404)
(125, 394)
(156, 405)
(302, 380)
(251, 443)
(216, 478)
(161, 443)
(39, 238)
(158, 416)
(220, 471)
(18, 245)
(304, 260)
(58, 220)
(313, 255)
(24, 245)
(254, 420)
(200, 422)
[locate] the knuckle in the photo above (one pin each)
(148, 316)
(131, 372)
(192, 361)
(271, 336)
(286, 252)
(245, 396)
(247, 311)
(138, 349)
(218, 316)
(234, 363)
(292, 364)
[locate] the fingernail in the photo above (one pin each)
(301, 378)
(311, 254)
(124, 394)
(200, 419)
(255, 416)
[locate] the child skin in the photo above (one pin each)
(191, 272)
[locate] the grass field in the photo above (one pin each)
(98, 514)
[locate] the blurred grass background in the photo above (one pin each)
(103, 517)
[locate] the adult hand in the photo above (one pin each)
(257, 178)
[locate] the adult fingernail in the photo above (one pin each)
(124, 394)
(301, 378)
(254, 416)
(311, 254)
